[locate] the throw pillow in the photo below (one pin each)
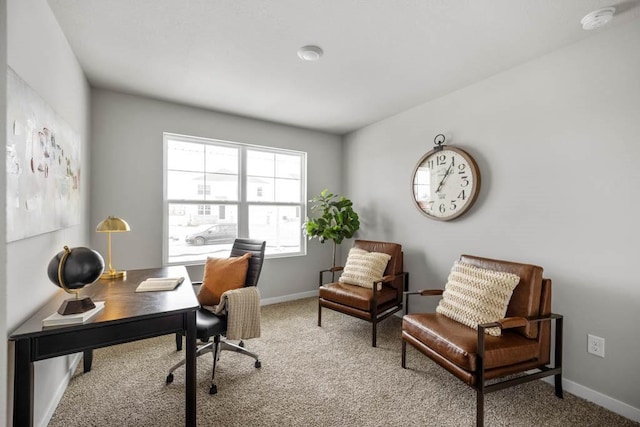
(363, 268)
(221, 275)
(475, 295)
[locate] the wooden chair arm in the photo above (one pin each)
(512, 322)
(391, 277)
(423, 292)
(426, 292)
(518, 322)
(332, 270)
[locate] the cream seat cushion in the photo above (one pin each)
(476, 295)
(363, 268)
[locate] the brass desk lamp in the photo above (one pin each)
(112, 225)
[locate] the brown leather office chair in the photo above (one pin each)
(475, 357)
(209, 325)
(372, 305)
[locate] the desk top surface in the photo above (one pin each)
(122, 302)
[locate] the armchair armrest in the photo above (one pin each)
(426, 292)
(388, 279)
(423, 292)
(517, 322)
(332, 270)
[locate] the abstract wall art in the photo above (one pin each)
(43, 165)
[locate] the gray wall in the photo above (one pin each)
(557, 144)
(39, 53)
(126, 178)
(3, 202)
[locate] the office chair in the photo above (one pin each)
(209, 325)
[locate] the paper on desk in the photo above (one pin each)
(159, 284)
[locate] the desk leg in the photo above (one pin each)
(190, 383)
(23, 384)
(87, 360)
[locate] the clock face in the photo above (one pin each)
(446, 183)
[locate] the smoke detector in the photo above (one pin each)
(597, 18)
(310, 53)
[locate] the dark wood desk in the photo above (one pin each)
(127, 316)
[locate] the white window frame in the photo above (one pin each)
(242, 203)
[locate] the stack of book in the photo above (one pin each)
(57, 319)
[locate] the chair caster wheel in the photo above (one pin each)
(241, 344)
(213, 389)
(169, 378)
(258, 364)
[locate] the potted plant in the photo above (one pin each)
(334, 219)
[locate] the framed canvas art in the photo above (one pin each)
(43, 165)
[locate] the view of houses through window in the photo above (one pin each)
(216, 191)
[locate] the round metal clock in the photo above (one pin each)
(446, 182)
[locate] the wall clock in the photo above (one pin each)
(446, 182)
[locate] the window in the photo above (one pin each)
(204, 210)
(216, 191)
(204, 190)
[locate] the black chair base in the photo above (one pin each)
(216, 347)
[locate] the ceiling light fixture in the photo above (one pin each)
(597, 18)
(310, 53)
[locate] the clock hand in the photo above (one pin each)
(446, 174)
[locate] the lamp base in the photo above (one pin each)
(75, 306)
(111, 275)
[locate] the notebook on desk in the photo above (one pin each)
(159, 284)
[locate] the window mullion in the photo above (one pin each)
(243, 206)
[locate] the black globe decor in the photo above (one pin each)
(73, 269)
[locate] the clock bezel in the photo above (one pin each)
(475, 172)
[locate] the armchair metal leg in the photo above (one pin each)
(558, 356)
(480, 408)
(404, 354)
(374, 334)
(319, 315)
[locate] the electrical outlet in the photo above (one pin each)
(595, 345)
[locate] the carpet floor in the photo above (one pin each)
(310, 376)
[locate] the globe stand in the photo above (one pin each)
(76, 305)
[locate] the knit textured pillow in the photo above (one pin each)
(475, 295)
(363, 268)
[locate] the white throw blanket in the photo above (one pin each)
(242, 308)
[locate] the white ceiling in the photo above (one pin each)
(381, 56)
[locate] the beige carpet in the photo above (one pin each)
(310, 376)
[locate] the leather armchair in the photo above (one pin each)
(372, 305)
(523, 348)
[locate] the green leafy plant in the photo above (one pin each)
(334, 219)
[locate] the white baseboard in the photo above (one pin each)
(57, 396)
(285, 298)
(599, 399)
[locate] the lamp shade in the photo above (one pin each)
(113, 224)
